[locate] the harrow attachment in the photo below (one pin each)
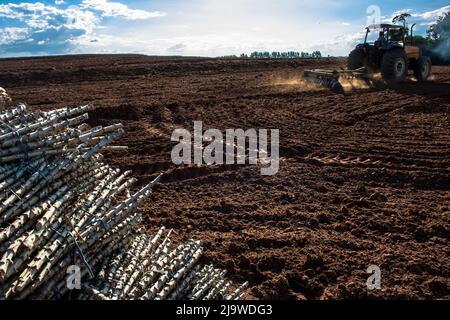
(332, 78)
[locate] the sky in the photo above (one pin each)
(197, 27)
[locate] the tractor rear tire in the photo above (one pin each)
(356, 59)
(394, 66)
(423, 69)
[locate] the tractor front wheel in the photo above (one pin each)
(394, 66)
(423, 69)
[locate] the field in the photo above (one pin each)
(363, 180)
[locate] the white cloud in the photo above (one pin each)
(58, 2)
(420, 18)
(432, 15)
(340, 45)
(11, 34)
(177, 48)
(116, 9)
(40, 16)
(47, 29)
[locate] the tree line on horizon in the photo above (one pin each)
(283, 55)
(278, 55)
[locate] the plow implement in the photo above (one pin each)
(333, 78)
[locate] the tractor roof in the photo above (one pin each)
(385, 26)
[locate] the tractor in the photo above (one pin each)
(391, 54)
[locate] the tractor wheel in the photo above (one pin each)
(356, 59)
(394, 66)
(423, 69)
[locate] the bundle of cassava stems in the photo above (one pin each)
(71, 228)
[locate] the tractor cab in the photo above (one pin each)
(385, 36)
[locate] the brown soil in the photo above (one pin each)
(364, 177)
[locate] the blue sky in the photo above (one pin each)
(196, 27)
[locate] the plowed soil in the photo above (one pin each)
(363, 180)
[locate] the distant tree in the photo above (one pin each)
(394, 34)
(317, 54)
(401, 18)
(233, 56)
(440, 29)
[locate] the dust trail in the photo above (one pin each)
(356, 84)
(297, 82)
(377, 76)
(413, 78)
(372, 81)
(287, 81)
